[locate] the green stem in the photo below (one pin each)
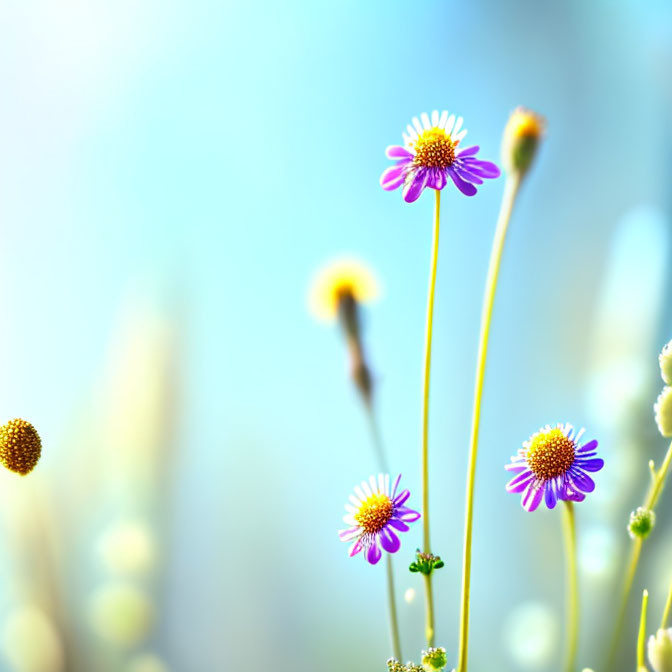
(641, 637)
(666, 611)
(510, 192)
(425, 416)
(652, 497)
(569, 530)
(391, 598)
(394, 623)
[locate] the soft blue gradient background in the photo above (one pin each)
(219, 153)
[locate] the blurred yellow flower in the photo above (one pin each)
(341, 278)
(122, 613)
(30, 641)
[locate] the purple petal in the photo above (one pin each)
(514, 484)
(356, 548)
(407, 515)
(415, 185)
(582, 480)
(532, 498)
(587, 447)
(516, 465)
(437, 179)
(398, 524)
(551, 494)
(466, 188)
(393, 177)
(349, 534)
(398, 152)
(395, 486)
(590, 465)
(469, 151)
(373, 554)
(483, 168)
(466, 175)
(389, 540)
(401, 497)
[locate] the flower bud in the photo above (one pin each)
(521, 138)
(20, 446)
(425, 563)
(665, 361)
(660, 650)
(641, 523)
(434, 659)
(663, 412)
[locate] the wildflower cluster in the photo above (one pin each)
(425, 563)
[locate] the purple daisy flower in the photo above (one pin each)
(375, 515)
(552, 465)
(430, 156)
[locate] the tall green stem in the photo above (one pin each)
(666, 611)
(391, 598)
(429, 631)
(510, 192)
(652, 497)
(569, 531)
(641, 637)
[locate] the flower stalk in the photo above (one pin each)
(641, 637)
(569, 531)
(510, 192)
(429, 597)
(658, 477)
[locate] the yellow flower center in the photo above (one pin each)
(374, 513)
(434, 149)
(550, 454)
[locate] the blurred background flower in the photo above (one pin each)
(155, 329)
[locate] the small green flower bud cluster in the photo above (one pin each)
(434, 659)
(641, 523)
(425, 563)
(522, 135)
(660, 650)
(394, 665)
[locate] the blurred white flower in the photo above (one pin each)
(128, 548)
(409, 595)
(121, 613)
(30, 641)
(531, 634)
(146, 662)
(663, 412)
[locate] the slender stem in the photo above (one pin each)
(641, 637)
(569, 530)
(510, 192)
(658, 481)
(379, 448)
(425, 416)
(394, 623)
(666, 611)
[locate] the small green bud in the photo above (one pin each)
(434, 659)
(665, 361)
(641, 523)
(425, 563)
(660, 650)
(663, 412)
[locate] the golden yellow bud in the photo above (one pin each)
(20, 446)
(521, 138)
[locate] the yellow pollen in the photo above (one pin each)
(550, 454)
(374, 513)
(434, 149)
(20, 446)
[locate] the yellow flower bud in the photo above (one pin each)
(665, 360)
(521, 139)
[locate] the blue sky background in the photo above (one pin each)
(210, 157)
